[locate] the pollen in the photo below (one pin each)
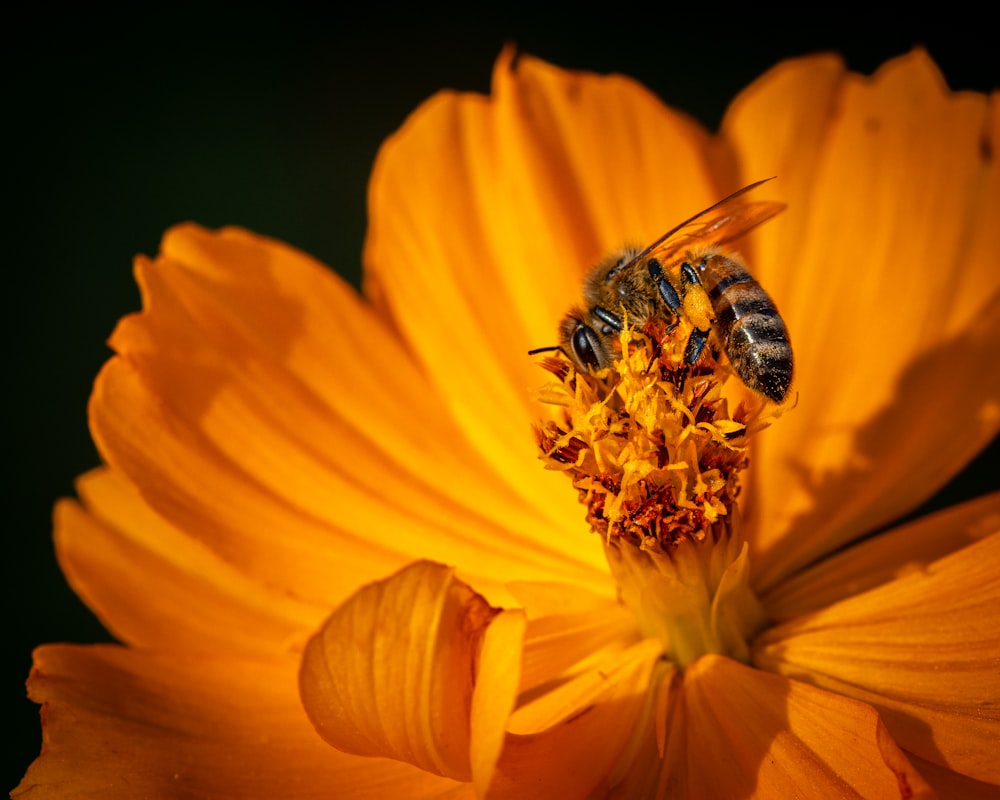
(651, 444)
(655, 447)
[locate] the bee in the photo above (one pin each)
(684, 272)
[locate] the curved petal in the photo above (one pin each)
(191, 600)
(498, 677)
(952, 785)
(558, 643)
(884, 267)
(782, 738)
(392, 671)
(245, 380)
(907, 549)
(484, 213)
(128, 723)
(568, 631)
(923, 649)
(580, 731)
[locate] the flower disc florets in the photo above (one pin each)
(650, 443)
(656, 454)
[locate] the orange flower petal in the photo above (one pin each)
(782, 739)
(497, 681)
(204, 492)
(906, 549)
(219, 393)
(923, 649)
(558, 642)
(543, 598)
(568, 629)
(484, 214)
(886, 262)
(392, 671)
(192, 600)
(644, 770)
(130, 723)
(581, 729)
(952, 785)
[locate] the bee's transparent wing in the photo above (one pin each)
(726, 221)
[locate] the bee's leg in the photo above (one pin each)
(696, 343)
(698, 337)
(610, 320)
(667, 291)
(689, 276)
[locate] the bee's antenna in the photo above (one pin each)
(538, 350)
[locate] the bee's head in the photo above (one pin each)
(588, 350)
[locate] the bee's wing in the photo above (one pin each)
(719, 229)
(720, 224)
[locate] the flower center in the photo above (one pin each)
(655, 454)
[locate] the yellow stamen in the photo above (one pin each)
(655, 454)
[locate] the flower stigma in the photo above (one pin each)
(655, 453)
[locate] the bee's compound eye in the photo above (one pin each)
(585, 347)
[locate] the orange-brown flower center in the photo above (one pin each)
(655, 454)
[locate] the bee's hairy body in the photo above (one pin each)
(751, 330)
(685, 273)
(614, 284)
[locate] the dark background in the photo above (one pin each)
(120, 126)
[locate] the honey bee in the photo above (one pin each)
(684, 272)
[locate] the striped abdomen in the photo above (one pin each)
(752, 332)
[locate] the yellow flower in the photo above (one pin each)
(289, 467)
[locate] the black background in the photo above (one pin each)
(119, 126)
